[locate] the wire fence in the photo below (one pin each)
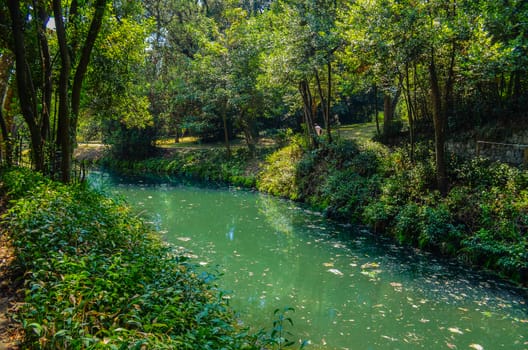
(78, 174)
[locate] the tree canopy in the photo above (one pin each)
(221, 68)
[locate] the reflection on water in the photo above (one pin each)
(349, 290)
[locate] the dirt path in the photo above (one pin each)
(11, 295)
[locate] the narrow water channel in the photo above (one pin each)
(349, 290)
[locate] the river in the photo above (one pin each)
(349, 289)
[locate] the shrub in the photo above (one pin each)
(345, 194)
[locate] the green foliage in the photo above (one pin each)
(129, 143)
(346, 193)
(277, 337)
(484, 174)
(279, 173)
(207, 164)
(98, 277)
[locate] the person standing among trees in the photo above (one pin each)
(318, 129)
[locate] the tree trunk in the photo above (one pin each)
(325, 100)
(63, 127)
(247, 128)
(47, 84)
(439, 128)
(6, 64)
(410, 111)
(26, 90)
(311, 135)
(329, 101)
(226, 130)
(376, 109)
(387, 114)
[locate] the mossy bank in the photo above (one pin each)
(482, 222)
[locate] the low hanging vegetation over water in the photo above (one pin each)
(98, 277)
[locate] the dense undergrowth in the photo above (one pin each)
(97, 277)
(483, 221)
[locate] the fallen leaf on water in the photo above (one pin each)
(455, 330)
(476, 346)
(328, 264)
(389, 338)
(336, 272)
(370, 265)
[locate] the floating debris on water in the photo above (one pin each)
(336, 272)
(476, 346)
(370, 265)
(455, 330)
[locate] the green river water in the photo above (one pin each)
(349, 289)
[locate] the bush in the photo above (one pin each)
(346, 193)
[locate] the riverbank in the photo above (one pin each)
(96, 276)
(482, 222)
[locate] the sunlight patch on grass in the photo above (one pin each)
(358, 132)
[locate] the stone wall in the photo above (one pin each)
(512, 150)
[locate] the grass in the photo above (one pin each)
(359, 132)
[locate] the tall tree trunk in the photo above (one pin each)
(410, 110)
(387, 114)
(376, 109)
(6, 64)
(247, 128)
(389, 106)
(439, 127)
(325, 100)
(63, 127)
(47, 84)
(308, 113)
(26, 90)
(328, 101)
(226, 129)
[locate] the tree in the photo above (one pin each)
(32, 23)
(117, 85)
(243, 41)
(302, 45)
